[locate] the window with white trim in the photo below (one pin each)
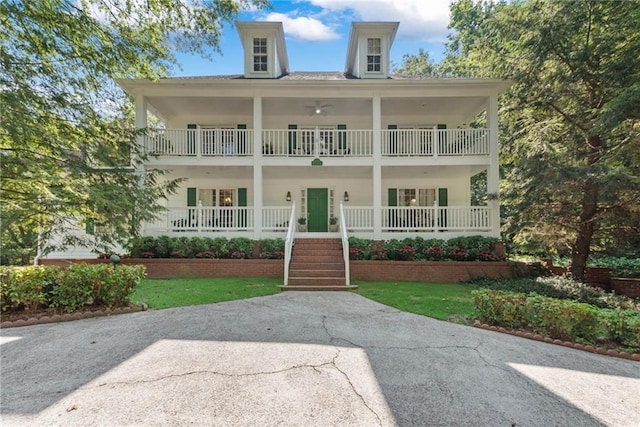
(416, 196)
(374, 55)
(216, 196)
(260, 55)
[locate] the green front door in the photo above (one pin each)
(317, 209)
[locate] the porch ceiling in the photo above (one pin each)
(169, 107)
(317, 172)
(430, 172)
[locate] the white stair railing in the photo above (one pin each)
(288, 243)
(345, 244)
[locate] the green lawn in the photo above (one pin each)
(179, 292)
(445, 301)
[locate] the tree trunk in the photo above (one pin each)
(589, 211)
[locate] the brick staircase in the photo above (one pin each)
(317, 265)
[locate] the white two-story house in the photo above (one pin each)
(396, 152)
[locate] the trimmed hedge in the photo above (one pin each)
(42, 287)
(562, 287)
(204, 247)
(471, 248)
(559, 319)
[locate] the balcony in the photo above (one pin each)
(283, 143)
(240, 220)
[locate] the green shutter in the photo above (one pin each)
(393, 197)
(90, 226)
(443, 200)
(242, 201)
(293, 144)
(342, 137)
(393, 220)
(191, 138)
(393, 139)
(242, 140)
(443, 197)
(442, 126)
(192, 199)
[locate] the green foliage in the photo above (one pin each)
(271, 248)
(26, 288)
(619, 266)
(570, 157)
(67, 133)
(419, 65)
(560, 287)
(559, 319)
(80, 285)
(239, 248)
(471, 248)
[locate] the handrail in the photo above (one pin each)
(345, 243)
(288, 243)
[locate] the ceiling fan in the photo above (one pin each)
(318, 109)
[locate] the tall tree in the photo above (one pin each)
(572, 141)
(66, 148)
(416, 65)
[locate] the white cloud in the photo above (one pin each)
(303, 28)
(420, 20)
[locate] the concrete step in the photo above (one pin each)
(317, 288)
(316, 252)
(317, 281)
(316, 273)
(316, 258)
(297, 265)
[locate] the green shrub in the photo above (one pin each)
(359, 248)
(271, 248)
(239, 248)
(164, 246)
(619, 266)
(562, 287)
(27, 288)
(142, 245)
(116, 283)
(559, 319)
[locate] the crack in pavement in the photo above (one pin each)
(206, 371)
(353, 388)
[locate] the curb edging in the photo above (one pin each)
(65, 317)
(537, 337)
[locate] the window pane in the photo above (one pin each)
(373, 46)
(226, 197)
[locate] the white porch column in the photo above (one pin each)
(141, 116)
(493, 171)
(257, 166)
(376, 112)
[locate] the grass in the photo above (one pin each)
(444, 301)
(179, 292)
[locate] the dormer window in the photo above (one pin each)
(260, 57)
(374, 55)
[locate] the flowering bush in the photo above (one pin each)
(435, 253)
(489, 256)
(459, 254)
(147, 254)
(377, 251)
(355, 253)
(407, 253)
(176, 254)
(238, 255)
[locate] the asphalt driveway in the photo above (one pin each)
(302, 359)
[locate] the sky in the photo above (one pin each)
(317, 32)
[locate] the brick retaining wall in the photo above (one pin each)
(427, 271)
(626, 286)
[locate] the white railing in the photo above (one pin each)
(359, 218)
(288, 242)
(317, 143)
(425, 218)
(345, 243)
(275, 218)
(435, 142)
(199, 142)
(352, 219)
(203, 219)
